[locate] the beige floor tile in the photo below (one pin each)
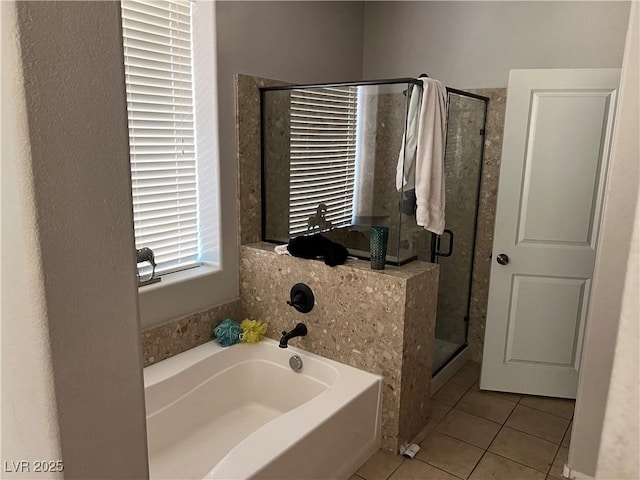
(449, 454)
(468, 428)
(438, 411)
(463, 380)
(467, 375)
(524, 448)
(450, 393)
(566, 441)
(511, 397)
(538, 424)
(556, 406)
(417, 470)
(355, 477)
(558, 463)
(486, 406)
(493, 467)
(379, 466)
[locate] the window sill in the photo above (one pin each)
(179, 294)
(179, 277)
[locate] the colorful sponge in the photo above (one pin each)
(227, 332)
(252, 331)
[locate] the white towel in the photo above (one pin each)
(406, 171)
(426, 168)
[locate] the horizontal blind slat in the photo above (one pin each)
(158, 71)
(322, 151)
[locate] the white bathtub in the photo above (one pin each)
(241, 412)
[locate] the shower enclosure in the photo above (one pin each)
(454, 250)
(330, 155)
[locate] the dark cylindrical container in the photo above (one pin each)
(379, 240)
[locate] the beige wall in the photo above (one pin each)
(609, 372)
(81, 327)
(28, 413)
(475, 44)
(300, 42)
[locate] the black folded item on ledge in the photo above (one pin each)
(314, 246)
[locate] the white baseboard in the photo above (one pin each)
(449, 370)
(567, 472)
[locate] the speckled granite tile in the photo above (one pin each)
(462, 181)
(486, 217)
(248, 150)
(419, 336)
(175, 337)
(358, 319)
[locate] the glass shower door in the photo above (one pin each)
(455, 248)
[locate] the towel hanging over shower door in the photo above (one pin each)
(422, 167)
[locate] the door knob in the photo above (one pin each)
(502, 259)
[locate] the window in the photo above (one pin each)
(323, 156)
(172, 102)
(158, 55)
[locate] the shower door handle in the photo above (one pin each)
(450, 252)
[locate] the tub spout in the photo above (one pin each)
(300, 330)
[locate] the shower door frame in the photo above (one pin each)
(263, 173)
(434, 254)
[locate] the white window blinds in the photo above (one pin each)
(323, 155)
(160, 105)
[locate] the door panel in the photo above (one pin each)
(530, 320)
(556, 144)
(565, 136)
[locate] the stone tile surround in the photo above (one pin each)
(379, 321)
(486, 217)
(176, 336)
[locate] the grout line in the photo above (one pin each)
(399, 465)
(553, 460)
(478, 416)
(549, 413)
(463, 441)
(536, 436)
(437, 468)
(520, 463)
(494, 437)
(477, 463)
(567, 432)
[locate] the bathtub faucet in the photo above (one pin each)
(300, 330)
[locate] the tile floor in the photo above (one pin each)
(482, 435)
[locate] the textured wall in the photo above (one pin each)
(302, 42)
(618, 456)
(475, 44)
(73, 74)
(605, 434)
(29, 412)
(486, 217)
(362, 317)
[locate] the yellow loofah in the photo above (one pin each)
(252, 331)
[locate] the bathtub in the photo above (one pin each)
(241, 412)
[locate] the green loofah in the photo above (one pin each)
(252, 331)
(227, 332)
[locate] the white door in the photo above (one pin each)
(554, 161)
